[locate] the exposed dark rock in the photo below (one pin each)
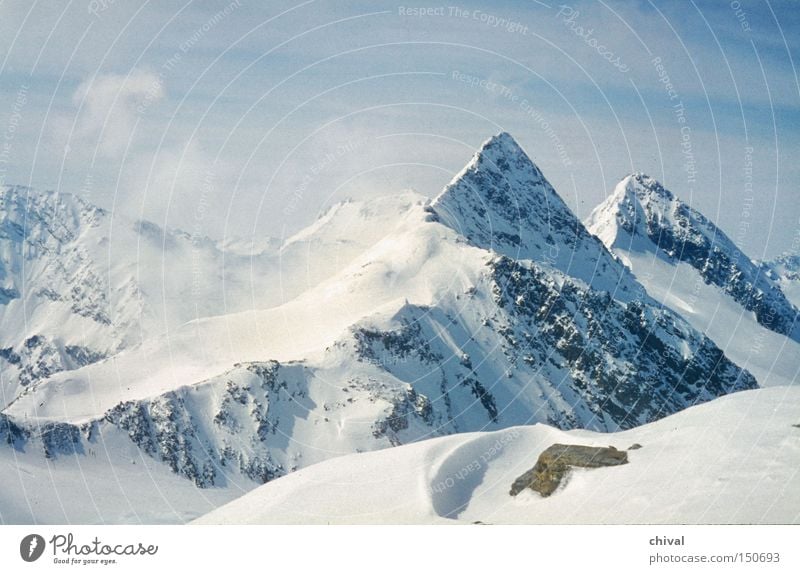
(623, 360)
(60, 439)
(238, 436)
(11, 433)
(40, 356)
(9, 355)
(635, 446)
(554, 464)
(7, 294)
(691, 238)
(377, 347)
(404, 406)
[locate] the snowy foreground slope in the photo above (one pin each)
(111, 482)
(733, 460)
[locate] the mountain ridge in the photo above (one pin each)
(640, 208)
(501, 201)
(688, 264)
(432, 329)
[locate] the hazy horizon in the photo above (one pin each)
(265, 115)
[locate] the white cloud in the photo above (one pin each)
(109, 105)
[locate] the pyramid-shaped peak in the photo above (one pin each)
(501, 152)
(643, 216)
(503, 143)
(501, 176)
(646, 187)
(503, 203)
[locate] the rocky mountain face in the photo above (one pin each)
(502, 202)
(495, 307)
(56, 311)
(785, 271)
(642, 215)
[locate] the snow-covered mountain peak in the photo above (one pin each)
(502, 202)
(622, 216)
(501, 148)
(501, 160)
(646, 188)
(24, 210)
(642, 218)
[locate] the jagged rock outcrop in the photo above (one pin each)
(555, 462)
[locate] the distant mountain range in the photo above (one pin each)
(386, 322)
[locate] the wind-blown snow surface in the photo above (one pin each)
(734, 460)
(688, 264)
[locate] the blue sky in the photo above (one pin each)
(249, 118)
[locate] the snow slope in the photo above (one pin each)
(112, 482)
(686, 263)
(415, 263)
(79, 284)
(733, 460)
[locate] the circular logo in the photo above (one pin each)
(31, 548)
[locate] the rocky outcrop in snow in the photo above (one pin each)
(554, 464)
